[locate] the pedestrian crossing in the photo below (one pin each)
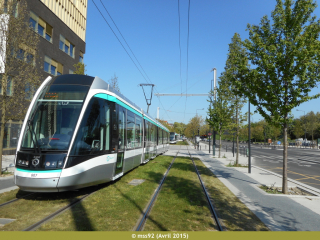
(300, 161)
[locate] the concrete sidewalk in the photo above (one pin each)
(279, 212)
(8, 162)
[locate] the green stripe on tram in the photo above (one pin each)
(32, 171)
(116, 100)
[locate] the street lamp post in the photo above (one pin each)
(305, 127)
(214, 98)
(249, 136)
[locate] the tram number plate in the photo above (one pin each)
(34, 175)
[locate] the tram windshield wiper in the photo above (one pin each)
(35, 141)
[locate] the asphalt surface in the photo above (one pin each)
(6, 182)
(278, 212)
(303, 163)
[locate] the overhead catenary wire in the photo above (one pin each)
(179, 41)
(118, 39)
(124, 40)
(185, 105)
(145, 77)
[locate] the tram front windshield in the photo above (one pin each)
(53, 117)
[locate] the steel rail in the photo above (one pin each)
(48, 218)
(14, 200)
(214, 214)
(142, 221)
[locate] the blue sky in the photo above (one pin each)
(151, 29)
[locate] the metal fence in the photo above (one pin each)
(243, 151)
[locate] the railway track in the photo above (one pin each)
(212, 210)
(56, 213)
(143, 219)
(14, 200)
(33, 196)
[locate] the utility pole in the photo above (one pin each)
(214, 97)
(148, 100)
(249, 136)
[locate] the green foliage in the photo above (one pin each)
(179, 127)
(20, 65)
(298, 129)
(80, 68)
(194, 124)
(220, 112)
(165, 123)
(285, 56)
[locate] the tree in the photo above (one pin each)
(230, 75)
(312, 123)
(179, 127)
(19, 63)
(80, 68)
(192, 127)
(114, 83)
(257, 131)
(286, 58)
(297, 128)
(220, 114)
(165, 123)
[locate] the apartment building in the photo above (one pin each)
(62, 27)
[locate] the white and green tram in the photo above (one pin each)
(78, 132)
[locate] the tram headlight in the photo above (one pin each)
(24, 163)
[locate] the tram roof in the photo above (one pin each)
(97, 83)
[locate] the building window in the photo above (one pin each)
(40, 26)
(24, 54)
(9, 86)
(66, 46)
(5, 6)
(29, 91)
(20, 54)
(53, 67)
(81, 57)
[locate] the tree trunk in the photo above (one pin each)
(285, 157)
(237, 125)
(2, 126)
(219, 144)
(3, 116)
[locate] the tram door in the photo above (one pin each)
(121, 138)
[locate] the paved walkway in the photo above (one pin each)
(278, 212)
(7, 183)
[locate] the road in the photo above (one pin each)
(303, 163)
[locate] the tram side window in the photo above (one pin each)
(138, 131)
(130, 130)
(122, 127)
(94, 131)
(151, 134)
(107, 127)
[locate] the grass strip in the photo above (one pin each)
(234, 214)
(182, 143)
(236, 165)
(7, 196)
(181, 204)
(31, 209)
(116, 207)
